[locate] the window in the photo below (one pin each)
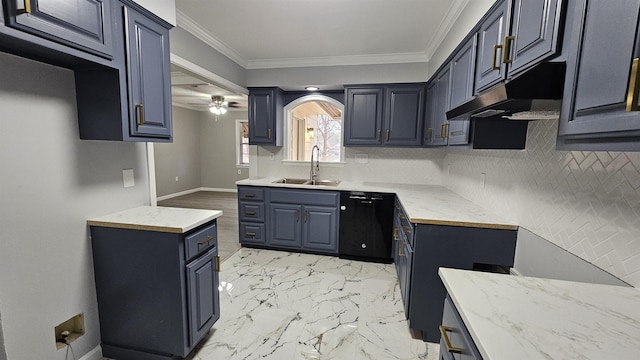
(314, 120)
(242, 143)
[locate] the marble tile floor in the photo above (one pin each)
(281, 305)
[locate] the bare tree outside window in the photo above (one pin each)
(315, 122)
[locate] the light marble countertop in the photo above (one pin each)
(515, 317)
(424, 204)
(157, 218)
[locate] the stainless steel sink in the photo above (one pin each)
(324, 182)
(291, 181)
(295, 181)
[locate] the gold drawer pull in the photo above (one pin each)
(447, 342)
(400, 253)
(205, 241)
(378, 135)
(495, 56)
(27, 6)
(633, 96)
(429, 134)
(250, 212)
(269, 134)
(140, 111)
(217, 263)
(388, 133)
(250, 195)
(506, 48)
(395, 234)
(250, 234)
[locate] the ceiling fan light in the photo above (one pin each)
(222, 110)
(216, 110)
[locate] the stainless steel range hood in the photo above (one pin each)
(538, 89)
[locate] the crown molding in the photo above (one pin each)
(192, 27)
(445, 26)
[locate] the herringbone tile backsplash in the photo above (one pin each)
(585, 202)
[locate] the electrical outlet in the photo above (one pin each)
(483, 179)
(239, 172)
(127, 178)
(177, 179)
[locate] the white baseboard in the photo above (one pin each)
(95, 354)
(191, 191)
(220, 190)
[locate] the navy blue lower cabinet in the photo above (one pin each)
(286, 226)
(320, 224)
(157, 292)
(455, 337)
(454, 247)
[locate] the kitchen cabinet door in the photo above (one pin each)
(597, 112)
(489, 50)
(149, 76)
(81, 24)
(438, 97)
(320, 228)
(203, 295)
(535, 30)
(404, 115)
(286, 226)
(462, 81)
(265, 116)
(363, 116)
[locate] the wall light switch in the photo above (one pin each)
(127, 178)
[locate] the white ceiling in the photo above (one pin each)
(289, 33)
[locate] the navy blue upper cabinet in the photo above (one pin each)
(130, 99)
(514, 36)
(265, 116)
(363, 116)
(600, 102)
(490, 37)
(149, 75)
(82, 24)
(404, 114)
(462, 81)
(387, 115)
(438, 97)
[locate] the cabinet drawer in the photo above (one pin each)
(201, 240)
(405, 227)
(251, 211)
(253, 233)
(250, 193)
(456, 332)
(306, 197)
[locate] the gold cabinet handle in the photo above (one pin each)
(395, 234)
(217, 263)
(379, 135)
(495, 57)
(429, 134)
(633, 95)
(442, 131)
(205, 241)
(401, 215)
(447, 342)
(140, 111)
(446, 130)
(388, 132)
(400, 253)
(250, 195)
(506, 49)
(250, 212)
(27, 7)
(306, 215)
(250, 234)
(269, 133)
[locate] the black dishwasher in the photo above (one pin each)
(366, 226)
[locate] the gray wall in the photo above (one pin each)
(202, 153)
(51, 183)
(336, 76)
(182, 157)
(197, 52)
(217, 150)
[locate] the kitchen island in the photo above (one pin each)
(515, 317)
(156, 271)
